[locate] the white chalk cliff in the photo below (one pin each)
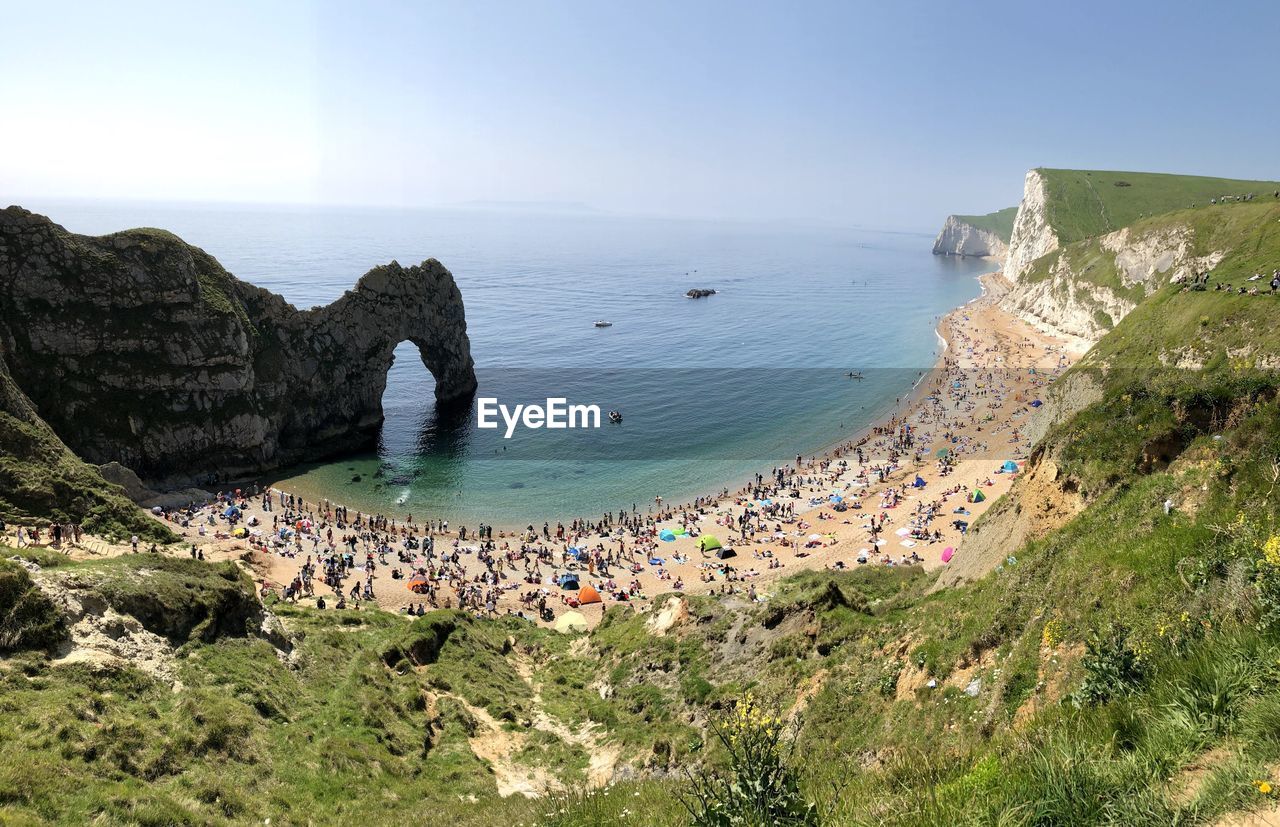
(1085, 288)
(959, 238)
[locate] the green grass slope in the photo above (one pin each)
(1248, 233)
(1086, 203)
(999, 222)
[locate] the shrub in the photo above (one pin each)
(759, 787)
(1111, 668)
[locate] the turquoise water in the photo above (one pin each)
(712, 390)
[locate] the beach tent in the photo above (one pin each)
(568, 582)
(573, 552)
(231, 511)
(977, 497)
(836, 498)
(708, 543)
(678, 531)
(919, 483)
(656, 561)
(240, 532)
(944, 452)
(724, 553)
(1009, 467)
(571, 622)
(947, 554)
(666, 536)
(417, 584)
(588, 595)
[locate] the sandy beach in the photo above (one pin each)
(901, 492)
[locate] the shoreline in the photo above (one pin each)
(777, 529)
(904, 403)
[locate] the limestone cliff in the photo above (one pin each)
(1032, 236)
(975, 235)
(42, 480)
(139, 348)
(1084, 289)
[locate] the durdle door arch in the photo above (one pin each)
(138, 348)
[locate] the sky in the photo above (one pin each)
(887, 114)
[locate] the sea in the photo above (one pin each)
(711, 391)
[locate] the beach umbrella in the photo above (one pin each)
(815, 536)
(573, 552)
(571, 622)
(836, 498)
(947, 554)
(708, 543)
(666, 535)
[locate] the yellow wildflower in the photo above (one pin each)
(1271, 550)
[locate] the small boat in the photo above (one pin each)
(604, 324)
(615, 416)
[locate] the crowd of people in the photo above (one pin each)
(841, 508)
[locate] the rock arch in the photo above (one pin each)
(139, 348)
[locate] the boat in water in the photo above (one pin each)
(615, 416)
(604, 324)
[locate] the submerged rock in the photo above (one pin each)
(698, 293)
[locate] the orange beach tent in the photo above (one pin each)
(588, 595)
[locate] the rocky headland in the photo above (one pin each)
(138, 348)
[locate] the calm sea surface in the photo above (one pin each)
(711, 390)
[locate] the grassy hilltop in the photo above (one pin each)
(1087, 203)
(999, 222)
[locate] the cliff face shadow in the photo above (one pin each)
(446, 431)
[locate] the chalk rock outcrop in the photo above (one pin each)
(1032, 235)
(959, 238)
(141, 349)
(1088, 287)
(1083, 288)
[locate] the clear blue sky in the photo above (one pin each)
(886, 114)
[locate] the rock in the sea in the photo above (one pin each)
(698, 293)
(138, 348)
